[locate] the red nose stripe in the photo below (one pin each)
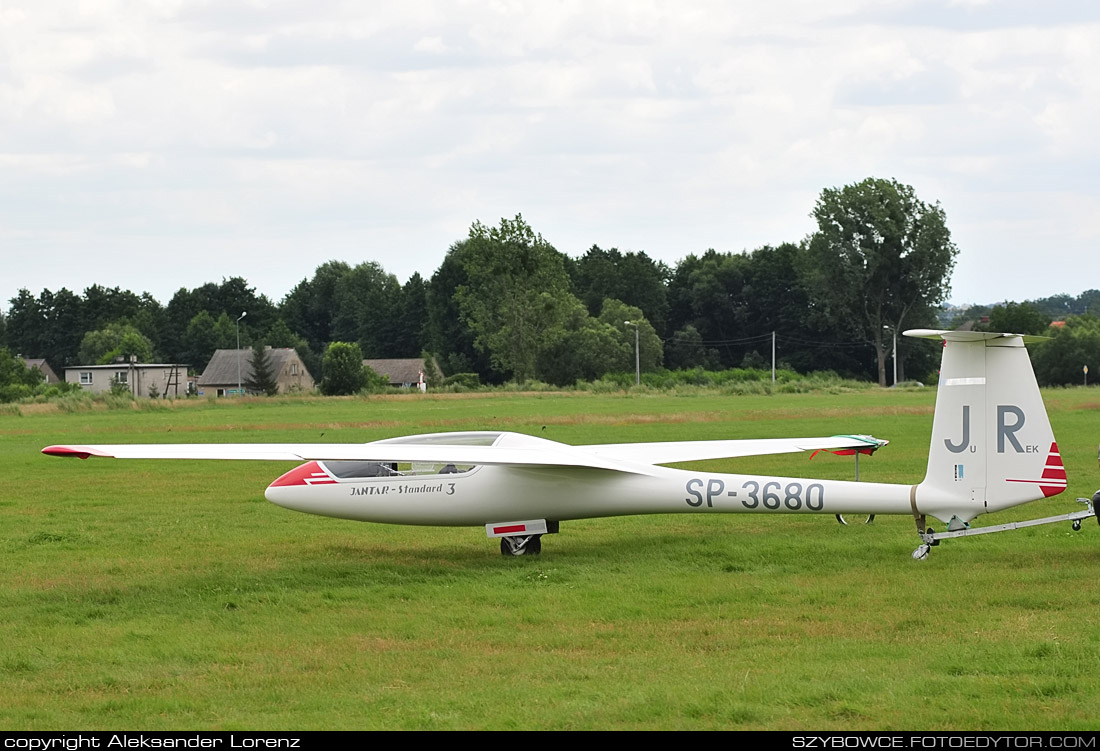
(309, 473)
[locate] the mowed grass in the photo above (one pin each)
(171, 595)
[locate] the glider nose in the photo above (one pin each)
(310, 473)
(287, 490)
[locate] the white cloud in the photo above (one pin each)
(263, 138)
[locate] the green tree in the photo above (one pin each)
(517, 297)
(199, 341)
(205, 334)
(433, 379)
(26, 325)
(1089, 302)
(708, 292)
(64, 326)
(280, 335)
(685, 350)
(367, 308)
(309, 308)
(447, 334)
(343, 368)
(17, 381)
(229, 299)
(1061, 360)
(410, 318)
(114, 342)
(651, 355)
(879, 254)
(228, 332)
(634, 278)
(262, 378)
(104, 305)
(1017, 318)
(374, 382)
(585, 353)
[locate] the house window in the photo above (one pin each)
(121, 376)
(85, 378)
(294, 368)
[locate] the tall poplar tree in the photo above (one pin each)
(880, 255)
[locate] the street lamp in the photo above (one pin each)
(637, 357)
(239, 352)
(893, 330)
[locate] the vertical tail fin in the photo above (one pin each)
(992, 444)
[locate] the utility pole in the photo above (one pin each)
(894, 331)
(239, 352)
(773, 357)
(895, 355)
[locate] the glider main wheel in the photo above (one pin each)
(869, 520)
(529, 545)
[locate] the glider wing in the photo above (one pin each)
(689, 451)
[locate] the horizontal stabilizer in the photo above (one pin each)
(970, 336)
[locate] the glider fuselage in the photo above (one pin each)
(486, 494)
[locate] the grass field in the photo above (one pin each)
(171, 595)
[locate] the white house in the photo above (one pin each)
(166, 379)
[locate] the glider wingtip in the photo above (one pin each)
(77, 451)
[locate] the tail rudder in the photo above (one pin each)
(992, 444)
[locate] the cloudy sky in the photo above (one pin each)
(157, 144)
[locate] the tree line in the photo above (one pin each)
(1071, 349)
(505, 304)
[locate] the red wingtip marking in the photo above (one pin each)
(67, 451)
(847, 452)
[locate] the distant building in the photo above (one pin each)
(166, 379)
(402, 373)
(221, 376)
(44, 366)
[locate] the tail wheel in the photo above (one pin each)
(522, 545)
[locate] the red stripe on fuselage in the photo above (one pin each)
(309, 473)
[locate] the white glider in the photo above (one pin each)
(992, 448)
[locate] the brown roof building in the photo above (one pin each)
(44, 366)
(400, 372)
(230, 367)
